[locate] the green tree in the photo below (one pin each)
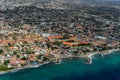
(39, 56)
(45, 59)
(6, 62)
(1, 51)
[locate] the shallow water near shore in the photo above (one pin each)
(102, 68)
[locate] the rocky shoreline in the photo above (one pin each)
(17, 69)
(88, 56)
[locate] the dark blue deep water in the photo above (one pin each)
(102, 68)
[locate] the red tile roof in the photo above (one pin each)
(54, 37)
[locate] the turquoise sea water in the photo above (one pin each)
(102, 68)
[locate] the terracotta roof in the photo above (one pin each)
(22, 62)
(70, 44)
(54, 37)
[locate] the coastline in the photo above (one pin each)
(87, 56)
(17, 69)
(102, 53)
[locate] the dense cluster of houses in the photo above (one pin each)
(26, 46)
(33, 36)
